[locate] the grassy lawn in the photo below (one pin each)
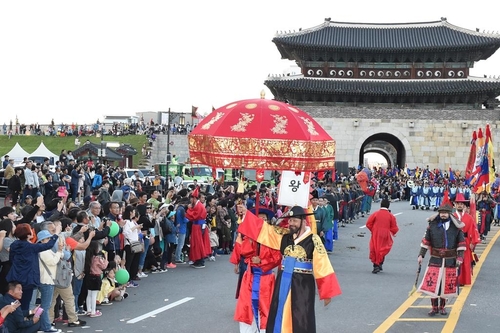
(55, 144)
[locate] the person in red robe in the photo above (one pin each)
(383, 226)
(252, 307)
(471, 235)
(304, 267)
(200, 239)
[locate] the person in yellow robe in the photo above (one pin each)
(305, 263)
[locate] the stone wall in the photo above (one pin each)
(437, 143)
(438, 138)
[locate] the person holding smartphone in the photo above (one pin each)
(18, 320)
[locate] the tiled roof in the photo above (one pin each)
(94, 148)
(370, 87)
(406, 37)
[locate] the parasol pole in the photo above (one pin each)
(257, 200)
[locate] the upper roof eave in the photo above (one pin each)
(442, 36)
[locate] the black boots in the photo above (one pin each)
(434, 309)
(442, 304)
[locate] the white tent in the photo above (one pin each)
(42, 151)
(17, 153)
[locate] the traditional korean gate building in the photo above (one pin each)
(401, 90)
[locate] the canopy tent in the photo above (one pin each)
(17, 153)
(42, 150)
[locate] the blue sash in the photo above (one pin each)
(199, 222)
(289, 263)
(257, 273)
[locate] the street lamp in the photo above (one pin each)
(182, 120)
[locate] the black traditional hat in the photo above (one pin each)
(314, 194)
(183, 193)
(297, 211)
(445, 207)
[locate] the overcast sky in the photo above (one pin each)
(76, 61)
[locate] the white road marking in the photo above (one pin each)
(397, 214)
(164, 308)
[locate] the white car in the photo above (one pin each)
(130, 174)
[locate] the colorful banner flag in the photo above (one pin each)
(489, 142)
(480, 175)
(451, 175)
(469, 168)
(194, 111)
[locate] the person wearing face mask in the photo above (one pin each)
(305, 263)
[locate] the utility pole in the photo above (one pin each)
(168, 158)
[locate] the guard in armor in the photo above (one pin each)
(445, 240)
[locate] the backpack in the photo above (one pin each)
(166, 226)
(64, 274)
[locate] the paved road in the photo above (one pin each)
(203, 299)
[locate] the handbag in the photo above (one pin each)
(136, 246)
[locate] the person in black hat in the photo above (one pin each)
(471, 235)
(484, 206)
(200, 241)
(297, 278)
(446, 242)
(5, 161)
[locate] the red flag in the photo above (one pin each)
(472, 155)
(194, 110)
(321, 175)
(446, 198)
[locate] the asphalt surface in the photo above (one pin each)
(185, 299)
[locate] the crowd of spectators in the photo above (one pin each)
(115, 129)
(72, 217)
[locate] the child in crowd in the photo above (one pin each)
(109, 291)
(95, 262)
(170, 241)
(214, 238)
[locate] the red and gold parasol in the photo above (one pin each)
(261, 134)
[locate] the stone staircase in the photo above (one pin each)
(178, 147)
(145, 163)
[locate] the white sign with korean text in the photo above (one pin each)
(293, 191)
